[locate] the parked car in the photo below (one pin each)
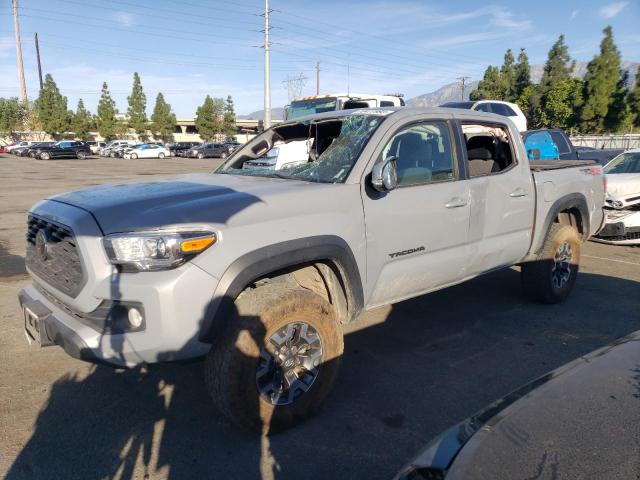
(231, 145)
(506, 109)
(12, 147)
(119, 151)
(63, 149)
(96, 146)
(208, 150)
(286, 155)
(106, 150)
(543, 140)
(577, 421)
(147, 150)
(622, 206)
(260, 269)
(177, 148)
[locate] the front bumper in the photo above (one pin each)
(618, 233)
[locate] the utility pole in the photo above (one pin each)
(267, 67)
(16, 27)
(462, 85)
(317, 78)
(38, 59)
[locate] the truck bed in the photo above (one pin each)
(542, 165)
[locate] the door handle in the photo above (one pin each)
(456, 202)
(519, 192)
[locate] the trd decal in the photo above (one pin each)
(406, 252)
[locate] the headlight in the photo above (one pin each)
(148, 251)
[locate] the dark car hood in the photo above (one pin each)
(188, 199)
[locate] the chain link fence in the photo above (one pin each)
(607, 141)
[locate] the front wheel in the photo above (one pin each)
(45, 156)
(224, 155)
(550, 279)
(200, 156)
(81, 155)
(161, 155)
(133, 156)
(278, 358)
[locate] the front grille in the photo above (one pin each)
(53, 256)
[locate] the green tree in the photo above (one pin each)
(137, 110)
(12, 115)
(620, 116)
(51, 106)
(507, 77)
(558, 109)
(490, 87)
(529, 103)
(163, 121)
(106, 120)
(522, 75)
(634, 101)
(81, 122)
(209, 118)
(558, 66)
(229, 119)
(601, 84)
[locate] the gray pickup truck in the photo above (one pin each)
(258, 269)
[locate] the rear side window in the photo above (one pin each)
(423, 153)
(386, 103)
(489, 149)
(483, 107)
(561, 142)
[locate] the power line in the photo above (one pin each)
(462, 79)
(294, 85)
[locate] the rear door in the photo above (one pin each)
(417, 234)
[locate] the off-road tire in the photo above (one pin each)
(537, 276)
(231, 365)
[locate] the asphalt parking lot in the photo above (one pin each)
(409, 370)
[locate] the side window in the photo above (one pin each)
(500, 109)
(509, 111)
(423, 153)
(386, 103)
(483, 107)
(489, 149)
(560, 141)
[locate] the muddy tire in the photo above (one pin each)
(551, 278)
(250, 366)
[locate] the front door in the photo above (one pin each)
(417, 233)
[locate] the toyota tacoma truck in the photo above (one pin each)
(258, 269)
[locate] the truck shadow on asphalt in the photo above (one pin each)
(430, 363)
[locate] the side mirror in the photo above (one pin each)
(384, 176)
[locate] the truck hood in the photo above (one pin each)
(210, 199)
(623, 185)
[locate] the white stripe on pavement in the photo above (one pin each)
(611, 260)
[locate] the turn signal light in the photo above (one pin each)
(196, 245)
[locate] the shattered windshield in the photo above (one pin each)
(321, 151)
(625, 163)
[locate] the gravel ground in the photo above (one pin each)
(409, 371)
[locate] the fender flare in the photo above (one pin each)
(265, 260)
(573, 200)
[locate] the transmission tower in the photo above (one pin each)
(294, 85)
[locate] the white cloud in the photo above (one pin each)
(574, 14)
(612, 9)
(124, 18)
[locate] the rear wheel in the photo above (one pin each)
(278, 358)
(45, 156)
(134, 156)
(200, 156)
(81, 155)
(550, 279)
(224, 155)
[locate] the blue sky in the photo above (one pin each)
(188, 49)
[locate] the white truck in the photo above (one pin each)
(332, 102)
(258, 269)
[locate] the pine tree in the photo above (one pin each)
(106, 120)
(12, 113)
(229, 120)
(209, 118)
(137, 107)
(490, 87)
(522, 75)
(507, 77)
(634, 101)
(163, 121)
(558, 66)
(619, 116)
(52, 109)
(601, 85)
(81, 121)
